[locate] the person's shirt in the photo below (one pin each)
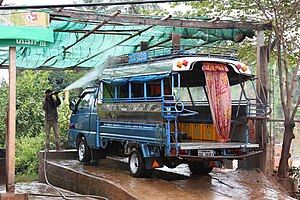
(51, 108)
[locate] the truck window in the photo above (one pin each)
(108, 91)
(235, 92)
(154, 88)
(137, 89)
(123, 91)
(86, 101)
(195, 94)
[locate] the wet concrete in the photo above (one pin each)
(111, 178)
(37, 191)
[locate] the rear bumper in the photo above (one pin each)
(189, 157)
(215, 145)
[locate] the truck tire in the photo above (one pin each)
(200, 167)
(137, 165)
(83, 151)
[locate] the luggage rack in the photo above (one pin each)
(161, 53)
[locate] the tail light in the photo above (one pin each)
(185, 62)
(179, 64)
(183, 152)
(244, 68)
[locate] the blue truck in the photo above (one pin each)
(156, 110)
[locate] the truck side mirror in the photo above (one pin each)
(72, 105)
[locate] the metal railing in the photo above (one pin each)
(177, 51)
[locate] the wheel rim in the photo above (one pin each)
(134, 163)
(81, 151)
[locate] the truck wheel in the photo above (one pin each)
(137, 165)
(200, 167)
(83, 151)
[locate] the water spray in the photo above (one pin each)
(91, 76)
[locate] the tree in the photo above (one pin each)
(3, 111)
(286, 23)
(283, 43)
(30, 134)
(31, 86)
(60, 79)
(152, 8)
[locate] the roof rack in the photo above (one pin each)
(161, 53)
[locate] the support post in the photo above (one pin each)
(11, 128)
(11, 133)
(260, 161)
(176, 42)
(144, 46)
(267, 155)
(263, 161)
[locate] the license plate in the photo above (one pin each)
(206, 153)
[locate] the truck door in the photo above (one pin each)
(94, 114)
(83, 112)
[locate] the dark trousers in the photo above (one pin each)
(54, 125)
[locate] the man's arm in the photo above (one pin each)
(58, 102)
(44, 104)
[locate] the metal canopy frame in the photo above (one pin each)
(142, 23)
(147, 20)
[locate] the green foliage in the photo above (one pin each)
(31, 86)
(27, 150)
(153, 8)
(26, 178)
(294, 172)
(59, 80)
(64, 117)
(30, 132)
(3, 112)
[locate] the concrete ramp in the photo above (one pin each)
(76, 180)
(111, 178)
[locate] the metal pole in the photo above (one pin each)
(10, 139)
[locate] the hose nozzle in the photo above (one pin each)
(56, 92)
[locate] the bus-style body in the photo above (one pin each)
(158, 111)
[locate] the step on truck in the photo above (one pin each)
(164, 108)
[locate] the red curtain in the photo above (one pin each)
(218, 91)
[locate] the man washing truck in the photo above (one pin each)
(50, 105)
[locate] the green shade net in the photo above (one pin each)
(26, 33)
(96, 48)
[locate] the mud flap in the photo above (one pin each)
(98, 154)
(153, 162)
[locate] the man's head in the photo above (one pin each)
(48, 92)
